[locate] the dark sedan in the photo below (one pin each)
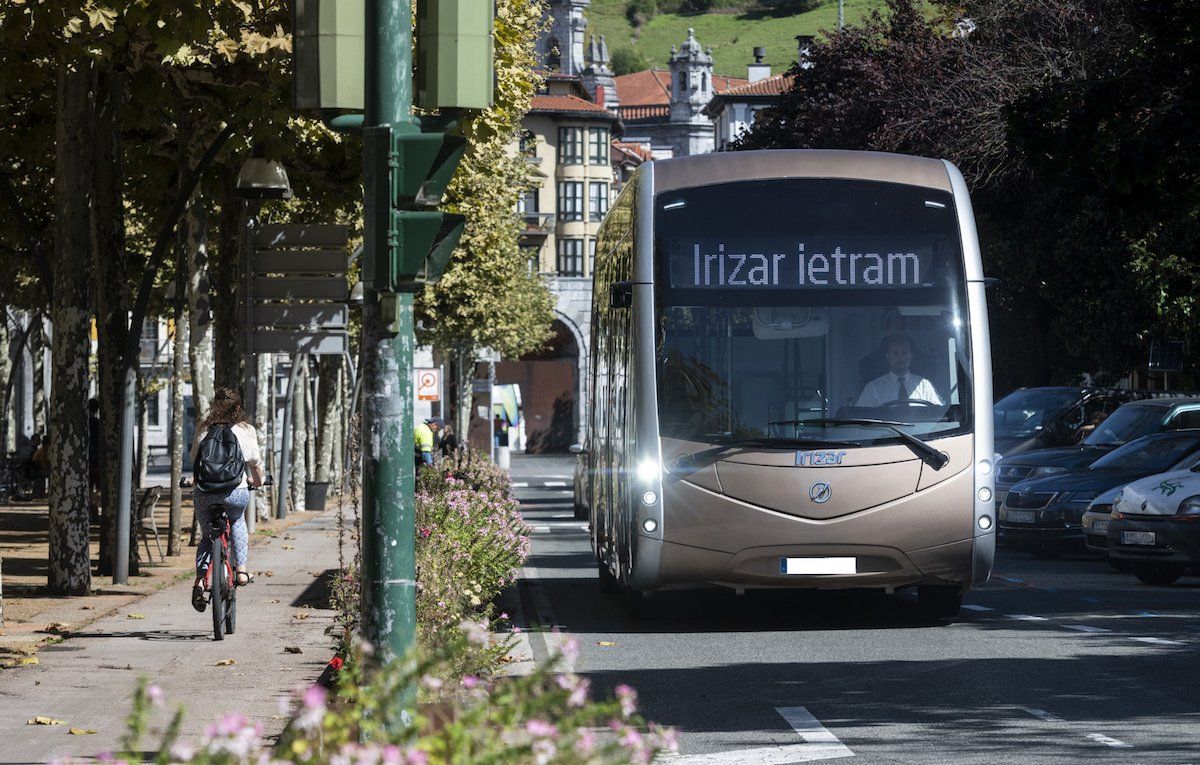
(1044, 515)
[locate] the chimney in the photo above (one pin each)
(759, 70)
(600, 95)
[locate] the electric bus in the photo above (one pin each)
(790, 378)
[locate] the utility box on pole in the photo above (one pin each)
(454, 54)
(327, 54)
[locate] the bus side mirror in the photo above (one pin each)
(578, 449)
(620, 295)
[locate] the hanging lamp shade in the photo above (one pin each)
(262, 178)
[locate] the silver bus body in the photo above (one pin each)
(864, 515)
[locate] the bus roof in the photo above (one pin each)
(733, 166)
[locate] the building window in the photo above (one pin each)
(682, 81)
(153, 419)
(149, 344)
(598, 146)
(570, 146)
(529, 201)
(570, 257)
(528, 146)
(597, 200)
(570, 200)
(531, 258)
(703, 82)
(591, 256)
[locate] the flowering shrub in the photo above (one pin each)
(471, 541)
(545, 717)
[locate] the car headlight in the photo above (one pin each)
(649, 471)
(1047, 470)
(1189, 509)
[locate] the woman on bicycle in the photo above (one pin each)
(226, 410)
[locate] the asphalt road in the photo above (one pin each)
(1050, 662)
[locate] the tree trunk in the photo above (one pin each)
(143, 419)
(37, 355)
(112, 300)
(264, 384)
(226, 276)
(178, 353)
(200, 328)
(299, 434)
(339, 430)
(464, 371)
(310, 409)
(69, 568)
(6, 372)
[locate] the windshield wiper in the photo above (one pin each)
(928, 454)
(689, 463)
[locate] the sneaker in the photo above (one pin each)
(199, 601)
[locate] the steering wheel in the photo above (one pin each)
(909, 402)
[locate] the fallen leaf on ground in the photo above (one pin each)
(57, 628)
(300, 615)
(86, 608)
(606, 643)
(40, 720)
(135, 616)
(81, 731)
(289, 547)
(225, 663)
(273, 600)
(28, 661)
(268, 573)
(292, 649)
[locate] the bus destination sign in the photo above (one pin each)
(725, 265)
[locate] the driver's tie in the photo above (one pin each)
(902, 391)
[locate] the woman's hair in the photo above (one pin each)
(226, 409)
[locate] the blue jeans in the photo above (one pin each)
(235, 502)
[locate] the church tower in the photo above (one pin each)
(691, 90)
(599, 75)
(561, 49)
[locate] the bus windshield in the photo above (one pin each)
(790, 308)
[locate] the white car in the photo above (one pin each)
(1155, 526)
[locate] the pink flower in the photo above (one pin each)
(155, 694)
(314, 697)
(470, 681)
(628, 698)
(586, 741)
(541, 729)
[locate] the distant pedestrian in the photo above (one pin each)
(94, 455)
(448, 443)
(424, 440)
(216, 483)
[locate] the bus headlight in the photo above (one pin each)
(650, 525)
(985, 494)
(649, 471)
(649, 498)
(985, 467)
(985, 522)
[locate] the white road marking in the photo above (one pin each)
(1026, 618)
(564, 515)
(1085, 628)
(521, 484)
(1156, 641)
(819, 744)
(548, 484)
(1100, 738)
(541, 529)
(973, 607)
(1041, 713)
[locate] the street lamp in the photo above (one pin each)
(262, 178)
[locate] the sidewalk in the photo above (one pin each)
(87, 680)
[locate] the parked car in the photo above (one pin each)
(1155, 526)
(1029, 419)
(1096, 519)
(1132, 420)
(1045, 515)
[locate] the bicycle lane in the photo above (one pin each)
(87, 681)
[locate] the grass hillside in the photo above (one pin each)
(733, 33)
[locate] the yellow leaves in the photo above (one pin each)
(43, 720)
(27, 661)
(228, 48)
(101, 17)
(81, 731)
(135, 616)
(606, 643)
(245, 8)
(225, 663)
(73, 26)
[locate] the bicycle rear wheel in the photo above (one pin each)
(216, 577)
(231, 611)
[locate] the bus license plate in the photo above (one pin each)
(1137, 537)
(1020, 516)
(811, 566)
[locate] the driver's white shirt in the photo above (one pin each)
(883, 389)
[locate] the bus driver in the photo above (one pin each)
(898, 384)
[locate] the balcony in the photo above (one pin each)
(537, 224)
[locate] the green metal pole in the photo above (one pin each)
(389, 565)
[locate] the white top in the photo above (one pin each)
(885, 388)
(247, 438)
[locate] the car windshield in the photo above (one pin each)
(1153, 454)
(1126, 424)
(785, 305)
(1025, 412)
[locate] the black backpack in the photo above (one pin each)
(220, 465)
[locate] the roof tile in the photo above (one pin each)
(652, 87)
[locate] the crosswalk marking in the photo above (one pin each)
(819, 744)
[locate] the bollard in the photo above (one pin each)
(503, 458)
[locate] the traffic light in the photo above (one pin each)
(454, 54)
(407, 174)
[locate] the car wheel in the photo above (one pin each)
(1157, 574)
(939, 601)
(608, 582)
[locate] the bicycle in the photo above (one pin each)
(223, 588)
